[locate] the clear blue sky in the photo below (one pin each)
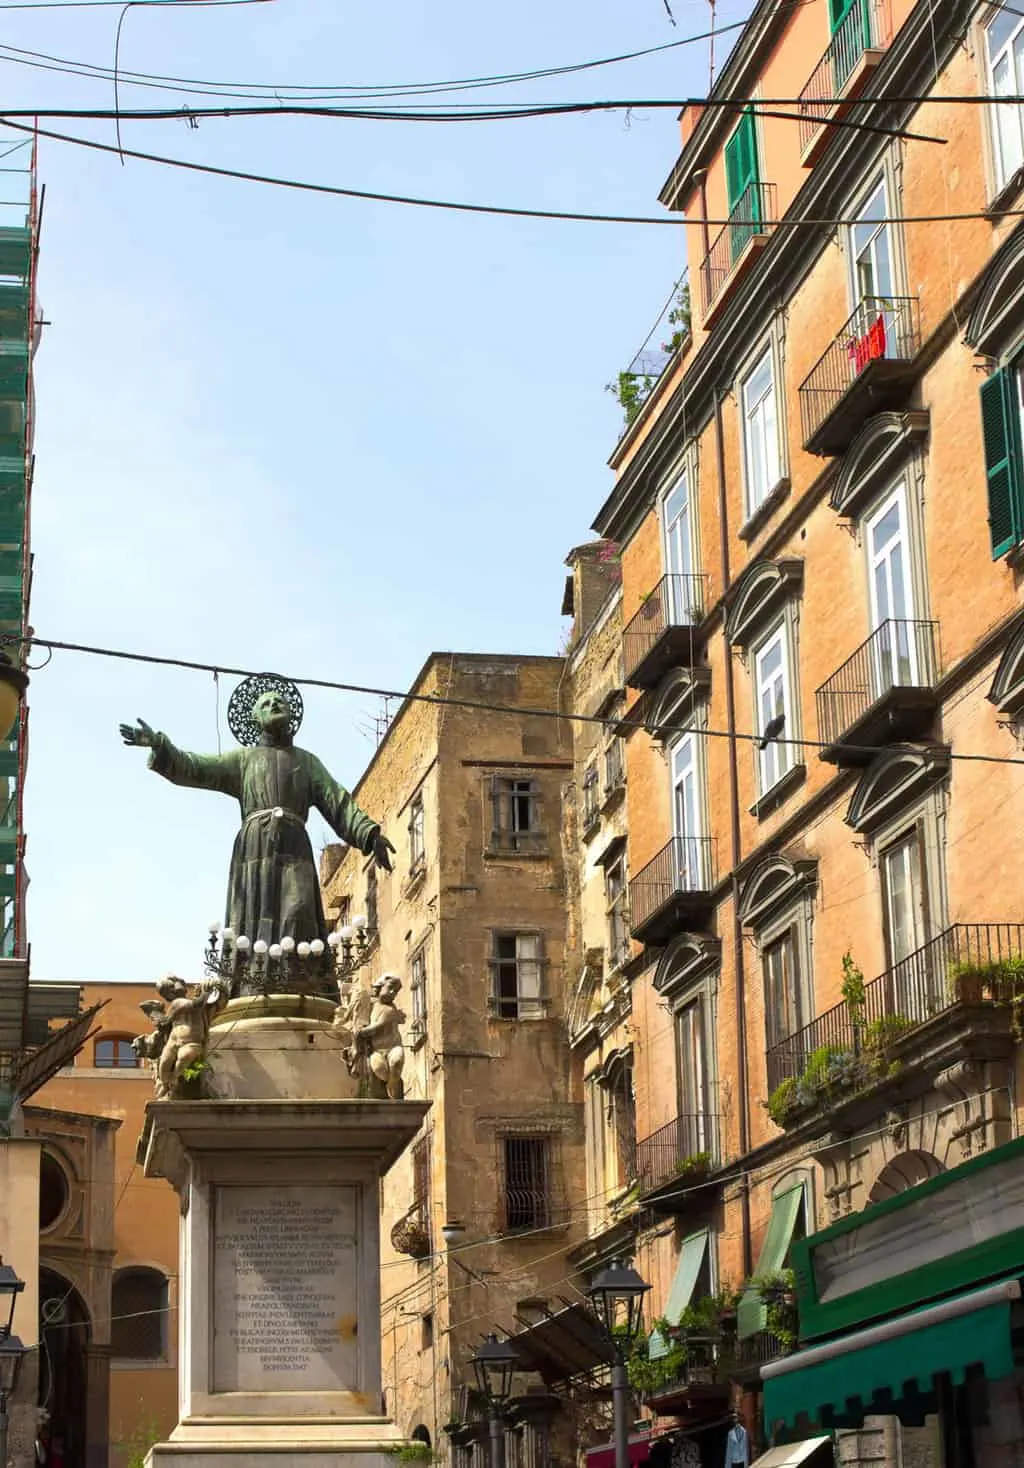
(311, 434)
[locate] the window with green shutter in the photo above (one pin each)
(1004, 470)
(850, 23)
(743, 196)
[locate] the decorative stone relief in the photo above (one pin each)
(376, 1055)
(962, 1086)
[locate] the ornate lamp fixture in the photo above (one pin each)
(13, 683)
(287, 966)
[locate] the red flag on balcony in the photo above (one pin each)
(869, 346)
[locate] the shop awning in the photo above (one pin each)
(752, 1313)
(807, 1452)
(835, 1384)
(684, 1282)
(603, 1456)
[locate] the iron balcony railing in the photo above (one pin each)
(676, 601)
(898, 654)
(882, 328)
(970, 962)
(865, 28)
(686, 864)
(685, 1147)
(754, 212)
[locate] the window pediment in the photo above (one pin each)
(1007, 691)
(894, 781)
(675, 700)
(764, 587)
(688, 958)
(874, 456)
(775, 882)
(997, 321)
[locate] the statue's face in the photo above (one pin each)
(272, 712)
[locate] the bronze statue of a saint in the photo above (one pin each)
(273, 889)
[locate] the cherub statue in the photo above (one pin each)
(181, 1029)
(378, 1043)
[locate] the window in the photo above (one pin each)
(895, 660)
(614, 767)
(516, 963)
(371, 899)
(762, 458)
(622, 1120)
(741, 182)
(591, 797)
(418, 991)
(515, 815)
(1002, 397)
(850, 21)
(872, 254)
(774, 703)
(1004, 64)
(420, 1204)
(344, 919)
(615, 889)
(906, 923)
(116, 1053)
(138, 1310)
(426, 1336)
(692, 1078)
(417, 849)
(677, 530)
(787, 997)
(527, 1182)
(54, 1192)
(687, 827)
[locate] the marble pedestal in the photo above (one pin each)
(279, 1280)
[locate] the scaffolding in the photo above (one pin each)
(20, 328)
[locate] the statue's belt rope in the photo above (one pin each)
(277, 811)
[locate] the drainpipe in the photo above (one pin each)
(735, 841)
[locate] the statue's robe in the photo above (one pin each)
(273, 890)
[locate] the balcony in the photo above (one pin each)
(868, 367)
(736, 246)
(663, 634)
(969, 964)
(855, 50)
(701, 1383)
(685, 1150)
(882, 694)
(672, 893)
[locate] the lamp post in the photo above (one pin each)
(13, 683)
(11, 1348)
(493, 1364)
(616, 1296)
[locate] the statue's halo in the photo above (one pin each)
(240, 720)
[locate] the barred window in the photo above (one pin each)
(115, 1052)
(614, 766)
(515, 815)
(591, 796)
(138, 1310)
(417, 847)
(516, 968)
(418, 990)
(527, 1200)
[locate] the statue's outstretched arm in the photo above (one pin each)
(345, 818)
(219, 772)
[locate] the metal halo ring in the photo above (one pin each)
(240, 705)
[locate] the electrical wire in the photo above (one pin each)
(479, 705)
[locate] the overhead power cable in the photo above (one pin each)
(478, 705)
(459, 206)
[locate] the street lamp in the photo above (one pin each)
(493, 1364)
(616, 1297)
(11, 1348)
(13, 683)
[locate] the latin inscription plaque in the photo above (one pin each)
(285, 1289)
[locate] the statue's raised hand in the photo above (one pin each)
(138, 733)
(382, 850)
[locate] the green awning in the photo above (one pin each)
(752, 1313)
(684, 1282)
(836, 1384)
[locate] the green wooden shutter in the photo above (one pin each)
(741, 159)
(838, 10)
(752, 1311)
(1000, 426)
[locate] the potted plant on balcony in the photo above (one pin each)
(693, 1168)
(776, 1287)
(970, 980)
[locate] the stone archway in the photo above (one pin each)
(903, 1172)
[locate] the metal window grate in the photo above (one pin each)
(527, 1183)
(138, 1309)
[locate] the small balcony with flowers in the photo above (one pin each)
(867, 367)
(861, 33)
(882, 694)
(956, 1000)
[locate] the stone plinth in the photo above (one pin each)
(279, 1298)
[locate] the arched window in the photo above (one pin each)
(114, 1052)
(138, 1311)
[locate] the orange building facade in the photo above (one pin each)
(108, 1242)
(818, 510)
